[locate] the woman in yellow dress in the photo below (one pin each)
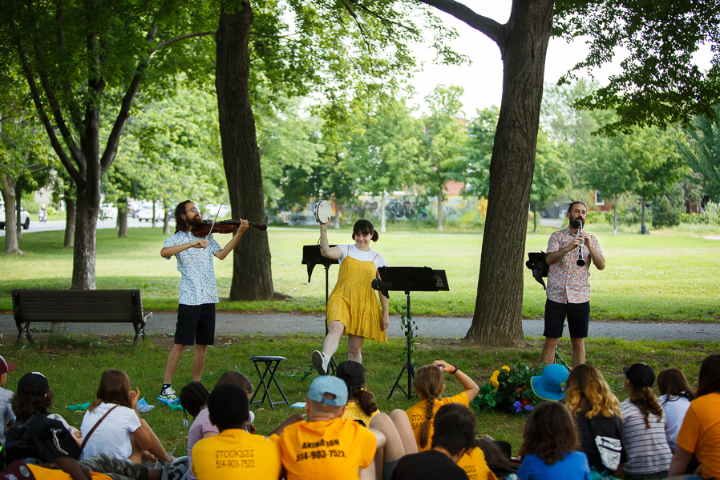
(352, 307)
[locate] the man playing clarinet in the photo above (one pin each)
(569, 255)
(198, 290)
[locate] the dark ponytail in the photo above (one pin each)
(365, 399)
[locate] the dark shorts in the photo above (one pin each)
(578, 319)
(195, 324)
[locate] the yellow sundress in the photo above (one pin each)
(353, 301)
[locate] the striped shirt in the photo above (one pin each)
(647, 448)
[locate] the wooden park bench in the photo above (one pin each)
(78, 306)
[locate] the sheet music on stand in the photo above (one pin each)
(411, 279)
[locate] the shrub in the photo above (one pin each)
(667, 212)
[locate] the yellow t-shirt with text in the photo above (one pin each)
(475, 465)
(326, 449)
(236, 454)
(418, 413)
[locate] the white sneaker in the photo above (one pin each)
(168, 394)
(320, 361)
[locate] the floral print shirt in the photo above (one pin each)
(568, 283)
(197, 285)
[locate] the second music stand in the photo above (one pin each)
(411, 279)
(312, 257)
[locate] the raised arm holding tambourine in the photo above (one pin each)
(352, 308)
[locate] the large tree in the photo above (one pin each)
(659, 82)
(72, 54)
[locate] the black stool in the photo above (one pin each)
(269, 367)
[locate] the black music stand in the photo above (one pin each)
(411, 279)
(312, 257)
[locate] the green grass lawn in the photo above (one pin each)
(74, 365)
(666, 276)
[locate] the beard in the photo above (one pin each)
(194, 222)
(577, 220)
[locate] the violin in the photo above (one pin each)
(226, 226)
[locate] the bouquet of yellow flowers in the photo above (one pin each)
(509, 390)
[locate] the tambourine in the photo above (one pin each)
(323, 211)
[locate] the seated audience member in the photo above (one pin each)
(647, 448)
(429, 386)
(589, 399)
(454, 435)
(233, 453)
(361, 407)
(31, 402)
(551, 384)
(6, 414)
(120, 431)
(552, 446)
(675, 398)
(193, 398)
(498, 461)
(201, 426)
(700, 431)
(326, 446)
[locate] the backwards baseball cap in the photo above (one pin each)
(640, 375)
(327, 384)
(551, 384)
(352, 373)
(6, 367)
(35, 382)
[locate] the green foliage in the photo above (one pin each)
(669, 208)
(660, 84)
(509, 390)
(481, 137)
(702, 151)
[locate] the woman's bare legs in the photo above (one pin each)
(393, 450)
(354, 348)
(335, 331)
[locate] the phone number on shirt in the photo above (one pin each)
(235, 463)
(317, 454)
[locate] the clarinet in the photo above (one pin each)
(580, 261)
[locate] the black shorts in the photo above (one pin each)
(578, 319)
(195, 324)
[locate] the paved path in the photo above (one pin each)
(287, 323)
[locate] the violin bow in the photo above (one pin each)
(213, 224)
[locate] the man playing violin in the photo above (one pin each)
(568, 290)
(198, 290)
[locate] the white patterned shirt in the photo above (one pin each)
(568, 283)
(197, 285)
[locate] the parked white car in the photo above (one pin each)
(211, 210)
(107, 210)
(145, 212)
(24, 217)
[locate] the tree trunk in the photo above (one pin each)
(166, 220)
(18, 210)
(534, 204)
(382, 213)
(615, 217)
(252, 275)
(154, 213)
(86, 216)
(337, 215)
(122, 220)
(498, 307)
(643, 227)
(8, 193)
(440, 208)
(69, 221)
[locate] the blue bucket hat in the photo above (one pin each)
(551, 384)
(328, 384)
